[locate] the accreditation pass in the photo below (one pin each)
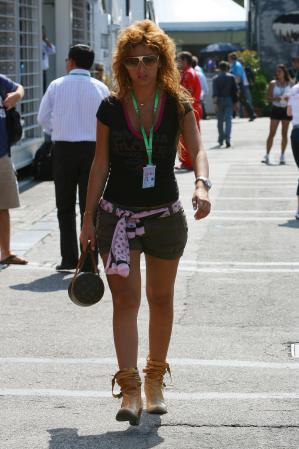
(149, 174)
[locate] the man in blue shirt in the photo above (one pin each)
(225, 95)
(10, 94)
(237, 70)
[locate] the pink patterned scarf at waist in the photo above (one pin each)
(128, 227)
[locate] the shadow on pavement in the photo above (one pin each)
(51, 283)
(145, 436)
(290, 224)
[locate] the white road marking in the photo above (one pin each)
(237, 263)
(237, 270)
(193, 266)
(242, 198)
(255, 183)
(255, 186)
(173, 362)
(173, 395)
(236, 218)
(245, 211)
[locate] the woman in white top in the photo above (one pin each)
(293, 110)
(278, 94)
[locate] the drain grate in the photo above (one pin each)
(295, 350)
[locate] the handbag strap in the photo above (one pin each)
(82, 260)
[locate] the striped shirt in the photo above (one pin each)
(68, 108)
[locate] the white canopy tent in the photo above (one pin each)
(199, 15)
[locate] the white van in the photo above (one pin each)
(22, 154)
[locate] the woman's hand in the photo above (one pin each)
(201, 203)
(88, 233)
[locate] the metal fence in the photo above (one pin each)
(20, 55)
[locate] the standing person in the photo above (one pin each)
(48, 49)
(238, 71)
(293, 110)
(139, 210)
(99, 72)
(68, 112)
(248, 78)
(225, 95)
(203, 84)
(278, 94)
(190, 81)
(294, 70)
(10, 94)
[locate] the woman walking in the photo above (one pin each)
(139, 211)
(293, 110)
(278, 94)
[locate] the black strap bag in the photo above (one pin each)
(85, 288)
(43, 162)
(13, 123)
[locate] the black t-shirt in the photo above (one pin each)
(127, 155)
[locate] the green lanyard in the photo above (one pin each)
(148, 142)
(79, 74)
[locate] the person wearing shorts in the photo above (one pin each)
(11, 93)
(278, 94)
(139, 209)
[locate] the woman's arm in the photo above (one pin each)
(96, 183)
(289, 111)
(12, 98)
(192, 139)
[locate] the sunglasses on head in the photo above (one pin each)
(134, 61)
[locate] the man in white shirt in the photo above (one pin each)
(48, 49)
(68, 112)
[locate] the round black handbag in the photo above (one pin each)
(86, 288)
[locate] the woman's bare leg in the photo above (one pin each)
(160, 279)
(284, 135)
(273, 128)
(126, 294)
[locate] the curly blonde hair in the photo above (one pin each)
(146, 32)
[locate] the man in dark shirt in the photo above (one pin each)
(10, 94)
(294, 70)
(225, 95)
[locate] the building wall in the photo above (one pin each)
(67, 22)
(271, 48)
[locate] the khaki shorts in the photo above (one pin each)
(9, 192)
(165, 237)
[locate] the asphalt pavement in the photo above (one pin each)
(235, 377)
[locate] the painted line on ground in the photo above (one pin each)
(255, 183)
(258, 175)
(236, 218)
(173, 362)
(238, 263)
(244, 211)
(236, 270)
(242, 198)
(182, 268)
(176, 396)
(255, 186)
